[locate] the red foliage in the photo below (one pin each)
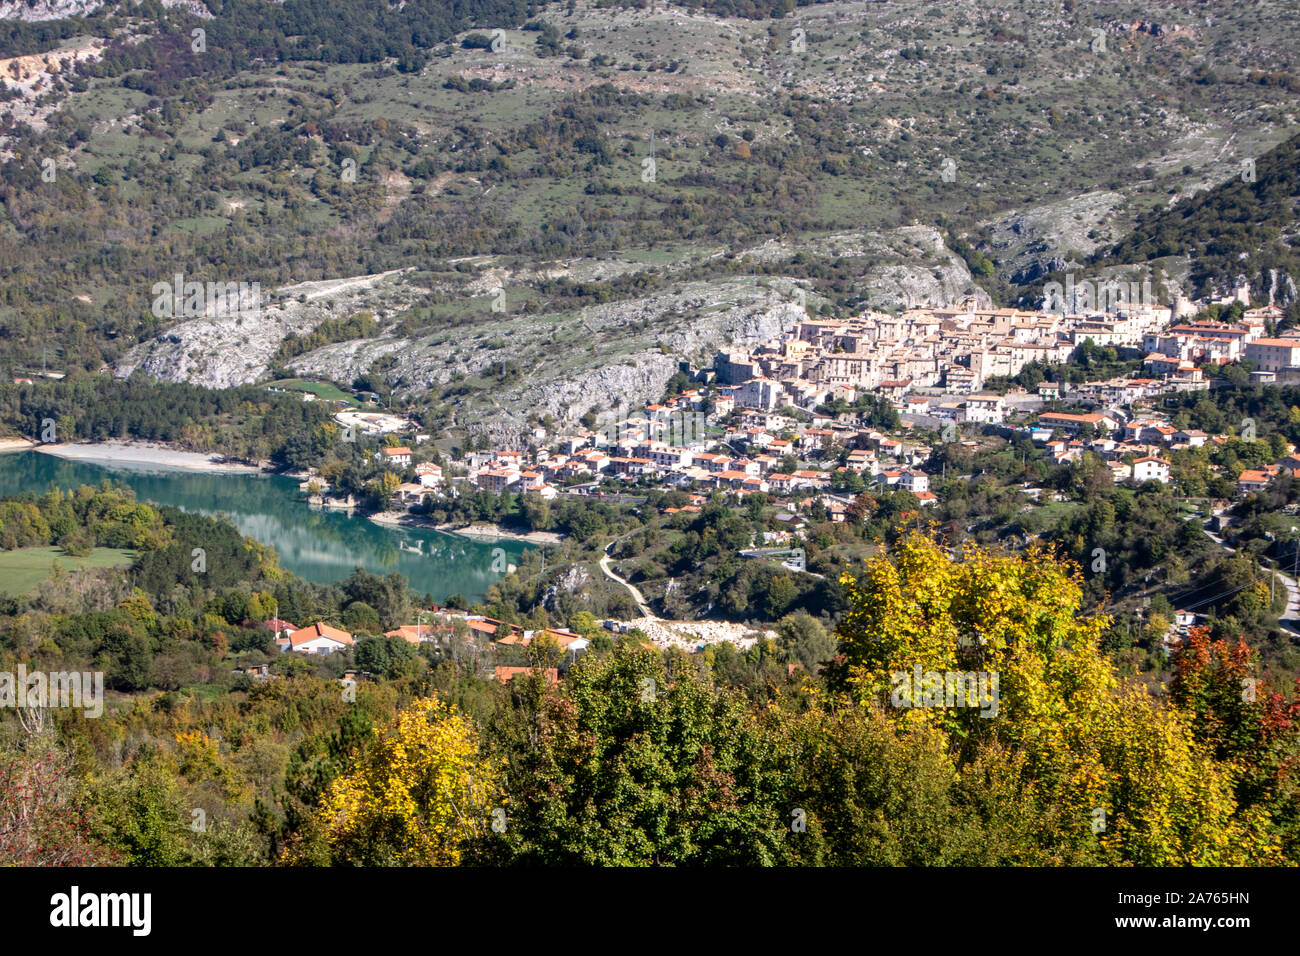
(41, 820)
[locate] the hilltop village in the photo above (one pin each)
(837, 405)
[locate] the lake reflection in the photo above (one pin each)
(317, 544)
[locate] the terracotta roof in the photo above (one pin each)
(562, 636)
(409, 633)
(1093, 418)
(319, 629)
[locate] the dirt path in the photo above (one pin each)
(636, 594)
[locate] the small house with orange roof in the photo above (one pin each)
(318, 638)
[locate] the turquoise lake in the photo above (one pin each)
(318, 545)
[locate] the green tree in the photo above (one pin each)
(384, 656)
(628, 766)
(804, 640)
(139, 812)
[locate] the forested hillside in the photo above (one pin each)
(362, 31)
(248, 423)
(768, 757)
(301, 141)
(1245, 226)
(654, 339)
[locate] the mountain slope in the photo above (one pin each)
(1243, 227)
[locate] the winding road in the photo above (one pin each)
(636, 594)
(1290, 618)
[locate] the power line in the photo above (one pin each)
(1188, 607)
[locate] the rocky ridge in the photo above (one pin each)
(561, 363)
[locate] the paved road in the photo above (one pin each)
(1290, 618)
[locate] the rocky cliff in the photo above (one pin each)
(505, 358)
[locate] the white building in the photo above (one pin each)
(914, 481)
(1151, 469)
(319, 638)
(986, 409)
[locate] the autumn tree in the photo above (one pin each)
(866, 790)
(1247, 724)
(44, 808)
(413, 795)
(381, 489)
(1107, 752)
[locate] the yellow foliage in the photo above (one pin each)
(196, 746)
(1087, 742)
(414, 795)
(138, 606)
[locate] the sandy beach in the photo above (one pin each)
(485, 531)
(15, 444)
(145, 453)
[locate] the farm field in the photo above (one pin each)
(23, 569)
(323, 390)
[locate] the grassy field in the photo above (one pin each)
(23, 569)
(324, 390)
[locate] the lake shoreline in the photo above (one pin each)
(320, 546)
(166, 457)
(154, 454)
(490, 532)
